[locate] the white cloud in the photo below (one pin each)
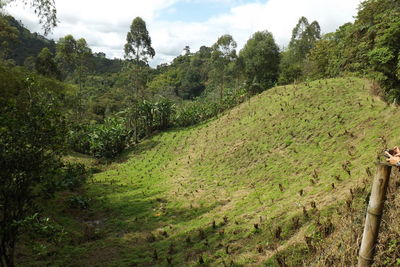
(276, 16)
(104, 23)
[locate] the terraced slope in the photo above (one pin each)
(242, 189)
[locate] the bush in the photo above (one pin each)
(74, 176)
(189, 115)
(203, 109)
(105, 140)
(79, 138)
(37, 226)
(32, 139)
(78, 202)
(109, 139)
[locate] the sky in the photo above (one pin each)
(174, 24)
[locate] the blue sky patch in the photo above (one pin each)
(198, 11)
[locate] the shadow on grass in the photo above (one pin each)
(149, 143)
(143, 211)
(132, 215)
(136, 150)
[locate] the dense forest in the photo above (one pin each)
(58, 98)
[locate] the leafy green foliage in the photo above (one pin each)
(370, 47)
(223, 57)
(45, 64)
(78, 202)
(260, 57)
(78, 138)
(99, 64)
(292, 64)
(66, 53)
(36, 225)
(72, 56)
(192, 84)
(304, 35)
(194, 70)
(18, 43)
(146, 116)
(8, 35)
(108, 139)
(73, 176)
(32, 136)
(192, 113)
(164, 109)
(137, 50)
(166, 84)
(138, 42)
(290, 69)
(21, 46)
(102, 140)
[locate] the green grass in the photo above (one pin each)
(248, 166)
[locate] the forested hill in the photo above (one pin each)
(274, 181)
(28, 44)
(22, 46)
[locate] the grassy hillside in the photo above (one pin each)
(261, 185)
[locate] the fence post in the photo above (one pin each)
(374, 214)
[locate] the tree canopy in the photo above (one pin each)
(223, 56)
(370, 46)
(304, 36)
(260, 57)
(138, 42)
(45, 64)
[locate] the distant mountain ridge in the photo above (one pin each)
(28, 44)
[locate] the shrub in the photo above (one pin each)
(73, 176)
(109, 139)
(78, 202)
(105, 140)
(32, 138)
(78, 138)
(203, 109)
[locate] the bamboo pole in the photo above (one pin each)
(374, 214)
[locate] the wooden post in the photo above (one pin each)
(374, 214)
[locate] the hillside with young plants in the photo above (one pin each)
(269, 182)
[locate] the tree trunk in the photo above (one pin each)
(7, 256)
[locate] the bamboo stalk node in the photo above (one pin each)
(374, 211)
(366, 258)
